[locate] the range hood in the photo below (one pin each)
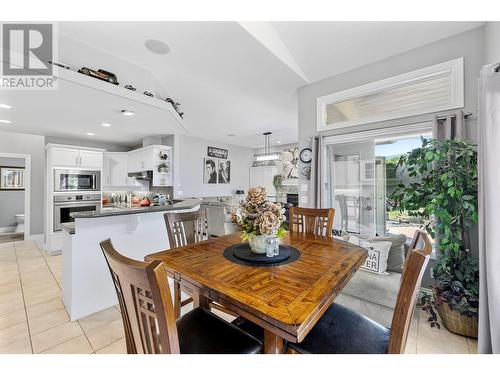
(143, 175)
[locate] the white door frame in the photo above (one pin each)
(27, 190)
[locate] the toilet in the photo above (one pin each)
(20, 223)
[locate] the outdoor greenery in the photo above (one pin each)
(443, 190)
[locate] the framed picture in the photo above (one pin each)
(11, 178)
(210, 170)
(224, 172)
(290, 163)
(215, 152)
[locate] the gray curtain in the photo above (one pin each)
(317, 195)
(450, 128)
(489, 210)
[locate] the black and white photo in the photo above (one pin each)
(209, 171)
(224, 172)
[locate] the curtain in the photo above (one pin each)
(489, 211)
(317, 172)
(450, 128)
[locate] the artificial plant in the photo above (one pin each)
(442, 188)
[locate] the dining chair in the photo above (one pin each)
(343, 331)
(184, 228)
(311, 220)
(149, 319)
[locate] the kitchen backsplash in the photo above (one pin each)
(124, 198)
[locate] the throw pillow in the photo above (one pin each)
(378, 253)
(396, 259)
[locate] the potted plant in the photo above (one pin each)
(259, 219)
(442, 188)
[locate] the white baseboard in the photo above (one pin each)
(38, 239)
(7, 229)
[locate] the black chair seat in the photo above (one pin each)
(251, 328)
(202, 332)
(343, 331)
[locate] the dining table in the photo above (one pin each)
(285, 300)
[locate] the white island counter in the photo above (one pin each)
(135, 232)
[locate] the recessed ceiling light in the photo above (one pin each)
(105, 124)
(278, 142)
(5, 106)
(90, 133)
(6, 121)
(126, 112)
(157, 46)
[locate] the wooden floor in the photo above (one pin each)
(34, 320)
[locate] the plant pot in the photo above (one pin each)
(259, 244)
(456, 322)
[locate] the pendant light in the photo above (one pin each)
(268, 155)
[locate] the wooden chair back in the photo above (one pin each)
(311, 220)
(145, 303)
(185, 228)
(415, 264)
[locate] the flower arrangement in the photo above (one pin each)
(256, 216)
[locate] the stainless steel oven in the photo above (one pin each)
(65, 204)
(76, 180)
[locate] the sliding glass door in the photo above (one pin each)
(361, 174)
(352, 185)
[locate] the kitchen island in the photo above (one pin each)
(135, 232)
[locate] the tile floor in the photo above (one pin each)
(34, 320)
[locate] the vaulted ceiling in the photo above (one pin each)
(233, 80)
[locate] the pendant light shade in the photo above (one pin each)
(268, 155)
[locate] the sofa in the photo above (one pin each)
(219, 215)
(375, 295)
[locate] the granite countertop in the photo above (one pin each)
(116, 211)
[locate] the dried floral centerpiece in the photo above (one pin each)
(259, 219)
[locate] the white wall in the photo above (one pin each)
(34, 145)
(189, 153)
(469, 45)
(492, 46)
(11, 201)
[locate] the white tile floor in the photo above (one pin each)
(34, 320)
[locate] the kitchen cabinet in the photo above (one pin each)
(75, 158)
(90, 159)
(263, 176)
(115, 170)
(153, 158)
(64, 157)
(140, 160)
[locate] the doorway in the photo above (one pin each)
(362, 174)
(15, 196)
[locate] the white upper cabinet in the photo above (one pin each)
(90, 159)
(65, 157)
(141, 160)
(115, 170)
(75, 158)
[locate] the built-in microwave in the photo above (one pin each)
(76, 180)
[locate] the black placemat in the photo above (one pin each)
(242, 254)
